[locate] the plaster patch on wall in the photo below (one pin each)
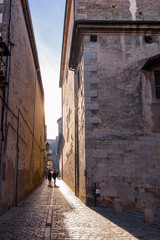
(1, 15)
(123, 44)
(133, 8)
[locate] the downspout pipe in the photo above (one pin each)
(2, 146)
(3, 135)
(2, 156)
(34, 110)
(17, 159)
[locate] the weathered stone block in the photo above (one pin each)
(88, 55)
(81, 16)
(149, 216)
(91, 80)
(92, 120)
(91, 93)
(117, 207)
(92, 106)
(90, 68)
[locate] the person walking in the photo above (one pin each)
(49, 177)
(54, 177)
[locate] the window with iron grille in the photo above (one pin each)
(157, 83)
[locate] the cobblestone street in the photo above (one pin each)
(55, 213)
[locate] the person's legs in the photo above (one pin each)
(54, 181)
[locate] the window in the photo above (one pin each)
(152, 91)
(93, 38)
(148, 39)
(157, 83)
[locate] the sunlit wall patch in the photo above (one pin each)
(133, 8)
(1, 16)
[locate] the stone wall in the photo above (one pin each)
(126, 168)
(23, 161)
(122, 153)
(69, 131)
(68, 109)
(117, 10)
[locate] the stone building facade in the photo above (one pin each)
(60, 147)
(22, 121)
(110, 79)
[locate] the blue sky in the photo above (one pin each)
(48, 18)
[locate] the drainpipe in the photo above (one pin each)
(2, 156)
(76, 138)
(2, 144)
(17, 159)
(34, 110)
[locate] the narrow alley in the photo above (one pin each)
(55, 213)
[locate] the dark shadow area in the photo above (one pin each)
(56, 186)
(132, 222)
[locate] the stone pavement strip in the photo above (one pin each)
(55, 213)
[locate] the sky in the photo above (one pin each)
(48, 19)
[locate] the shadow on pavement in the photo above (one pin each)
(60, 208)
(132, 222)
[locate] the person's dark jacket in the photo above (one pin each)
(49, 176)
(54, 175)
